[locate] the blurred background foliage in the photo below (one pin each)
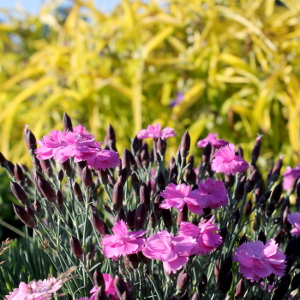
(223, 66)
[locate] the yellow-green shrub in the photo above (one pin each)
(237, 63)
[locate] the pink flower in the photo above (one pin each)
(290, 176)
(109, 288)
(103, 159)
(212, 139)
(206, 235)
(178, 195)
(81, 130)
(154, 131)
(122, 242)
(172, 251)
(35, 290)
(213, 193)
(294, 220)
(227, 162)
(259, 261)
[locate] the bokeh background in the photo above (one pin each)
(223, 66)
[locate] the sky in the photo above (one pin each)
(32, 6)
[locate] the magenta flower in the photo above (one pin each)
(122, 242)
(81, 130)
(172, 251)
(259, 261)
(290, 176)
(154, 131)
(109, 288)
(35, 290)
(227, 162)
(179, 195)
(212, 139)
(294, 220)
(206, 234)
(103, 159)
(213, 193)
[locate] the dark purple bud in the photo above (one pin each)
(191, 176)
(127, 296)
(136, 144)
(103, 176)
(100, 294)
(24, 216)
(280, 291)
(2, 160)
(29, 210)
(131, 219)
(191, 161)
(258, 191)
(167, 217)
(203, 282)
(45, 188)
(76, 247)
(90, 256)
(60, 175)
(111, 179)
(182, 280)
(225, 283)
(280, 202)
(264, 198)
(152, 219)
(296, 282)
(184, 296)
(46, 167)
(182, 216)
(120, 286)
(117, 197)
(140, 216)
(98, 279)
(98, 224)
(250, 183)
(291, 246)
(239, 190)
(248, 207)
(161, 146)
(59, 199)
(225, 268)
(270, 209)
(77, 192)
(138, 161)
(157, 210)
(135, 182)
(18, 173)
(236, 217)
(277, 192)
(195, 297)
(285, 221)
(240, 151)
(151, 155)
(133, 260)
(145, 157)
(256, 224)
(67, 123)
(262, 237)
(160, 181)
(223, 233)
(66, 167)
(289, 262)
(173, 172)
(80, 166)
(123, 176)
(278, 237)
(19, 192)
(36, 162)
(276, 169)
(144, 194)
(126, 159)
(243, 240)
(229, 181)
(185, 144)
(120, 215)
(256, 148)
(110, 134)
(206, 153)
(86, 177)
(37, 206)
(30, 139)
(240, 289)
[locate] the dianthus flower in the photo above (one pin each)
(206, 234)
(154, 131)
(122, 242)
(110, 290)
(227, 162)
(172, 251)
(35, 290)
(290, 176)
(212, 139)
(179, 195)
(81, 130)
(213, 193)
(259, 261)
(294, 220)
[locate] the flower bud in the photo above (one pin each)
(120, 215)
(100, 294)
(160, 181)
(140, 216)
(30, 139)
(258, 191)
(276, 193)
(248, 207)
(136, 144)
(135, 182)
(161, 146)
(225, 283)
(289, 262)
(229, 181)
(195, 297)
(256, 148)
(225, 268)
(217, 267)
(36, 163)
(182, 216)
(60, 175)
(206, 153)
(131, 219)
(46, 167)
(144, 194)
(184, 296)
(37, 206)
(2, 160)
(236, 217)
(256, 224)
(145, 157)
(240, 151)
(18, 192)
(250, 183)
(67, 123)
(239, 190)
(296, 281)
(133, 260)
(167, 217)
(182, 280)
(276, 169)
(243, 240)
(77, 192)
(264, 198)
(98, 279)
(67, 168)
(80, 166)
(173, 172)
(76, 247)
(203, 283)
(127, 296)
(120, 286)
(45, 188)
(123, 175)
(285, 214)
(262, 237)
(86, 177)
(59, 199)
(291, 246)
(157, 210)
(18, 173)
(110, 138)
(185, 144)
(282, 288)
(24, 216)
(98, 224)
(270, 209)
(117, 197)
(240, 289)
(126, 161)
